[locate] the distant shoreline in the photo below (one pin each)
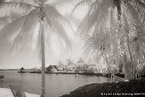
(12, 69)
(9, 69)
(60, 72)
(73, 73)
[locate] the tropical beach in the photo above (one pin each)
(72, 48)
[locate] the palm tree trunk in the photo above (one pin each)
(42, 51)
(118, 5)
(124, 60)
(132, 75)
(107, 62)
(42, 62)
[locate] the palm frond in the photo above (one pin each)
(92, 47)
(61, 2)
(12, 29)
(3, 21)
(57, 28)
(139, 8)
(36, 38)
(82, 3)
(135, 16)
(10, 9)
(55, 44)
(26, 32)
(96, 18)
(98, 42)
(133, 26)
(138, 25)
(34, 3)
(53, 15)
(84, 23)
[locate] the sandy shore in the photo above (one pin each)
(4, 92)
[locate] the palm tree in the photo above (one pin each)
(32, 22)
(114, 29)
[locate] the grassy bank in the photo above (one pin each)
(122, 89)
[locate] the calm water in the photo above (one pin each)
(56, 85)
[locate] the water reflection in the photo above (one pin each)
(56, 85)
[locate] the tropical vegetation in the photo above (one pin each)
(114, 30)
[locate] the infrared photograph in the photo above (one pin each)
(72, 48)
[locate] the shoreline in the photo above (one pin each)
(108, 75)
(107, 87)
(126, 89)
(73, 73)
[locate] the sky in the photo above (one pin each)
(27, 58)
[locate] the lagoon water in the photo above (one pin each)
(56, 85)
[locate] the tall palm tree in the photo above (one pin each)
(32, 22)
(114, 29)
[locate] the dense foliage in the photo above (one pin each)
(114, 30)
